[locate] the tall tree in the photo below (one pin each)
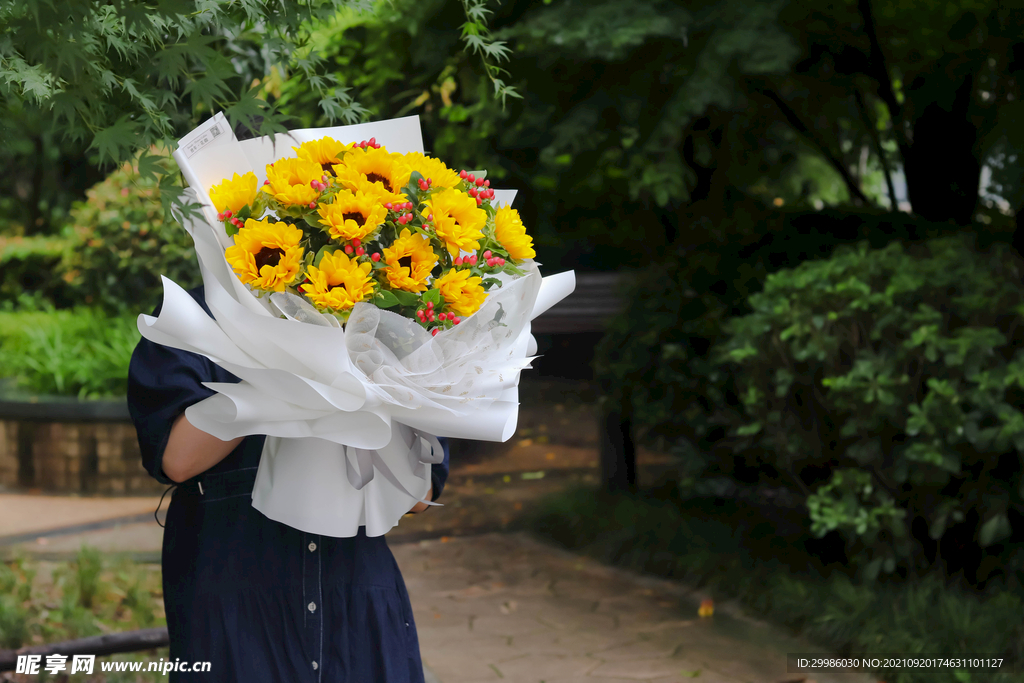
(115, 77)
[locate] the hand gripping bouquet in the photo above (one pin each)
(369, 298)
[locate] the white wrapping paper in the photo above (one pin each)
(351, 414)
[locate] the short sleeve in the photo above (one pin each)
(439, 473)
(162, 383)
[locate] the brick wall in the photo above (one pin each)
(84, 457)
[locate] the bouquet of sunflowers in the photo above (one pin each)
(340, 224)
(369, 298)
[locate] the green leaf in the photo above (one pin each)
(406, 298)
(432, 296)
(749, 429)
(994, 530)
(386, 299)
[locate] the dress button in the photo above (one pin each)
(315, 666)
(312, 547)
(312, 607)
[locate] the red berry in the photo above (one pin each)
(348, 248)
(430, 305)
(430, 217)
(471, 192)
(229, 213)
(375, 257)
(473, 259)
(488, 254)
(356, 242)
(312, 205)
(471, 178)
(388, 206)
(462, 174)
(360, 251)
(458, 261)
(479, 182)
(363, 143)
(373, 141)
(479, 201)
(487, 183)
(457, 321)
(434, 332)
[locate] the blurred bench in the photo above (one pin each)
(596, 299)
(588, 309)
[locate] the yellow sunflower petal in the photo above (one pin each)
(440, 175)
(231, 195)
(266, 255)
(462, 293)
(289, 181)
(511, 234)
(352, 216)
(409, 262)
(458, 221)
(339, 283)
(326, 152)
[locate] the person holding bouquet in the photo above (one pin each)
(259, 600)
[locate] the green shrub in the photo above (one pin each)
(30, 271)
(886, 386)
(123, 244)
(80, 352)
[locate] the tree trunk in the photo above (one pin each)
(942, 166)
(618, 454)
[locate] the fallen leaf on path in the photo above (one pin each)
(526, 443)
(517, 505)
(550, 456)
(533, 475)
(707, 608)
(691, 674)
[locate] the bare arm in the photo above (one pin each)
(191, 451)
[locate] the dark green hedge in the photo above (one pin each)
(882, 386)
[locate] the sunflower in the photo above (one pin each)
(371, 170)
(352, 216)
(511, 234)
(458, 220)
(462, 293)
(231, 195)
(266, 255)
(326, 151)
(440, 175)
(339, 283)
(410, 260)
(288, 181)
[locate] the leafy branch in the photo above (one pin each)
(477, 37)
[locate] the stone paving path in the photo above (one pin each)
(505, 607)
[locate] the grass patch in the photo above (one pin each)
(47, 602)
(81, 352)
(765, 558)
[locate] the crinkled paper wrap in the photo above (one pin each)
(351, 415)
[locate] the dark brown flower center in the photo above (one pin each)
(268, 256)
(377, 178)
(405, 262)
(328, 170)
(359, 218)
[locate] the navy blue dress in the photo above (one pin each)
(261, 601)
